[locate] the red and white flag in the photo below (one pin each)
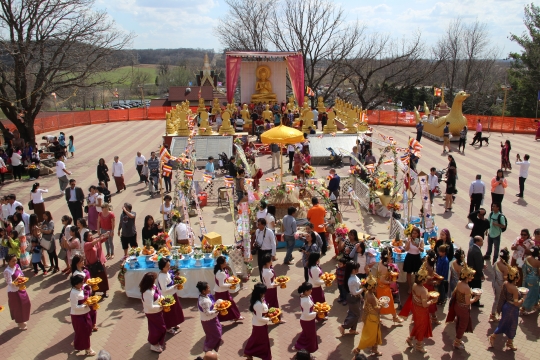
(166, 170)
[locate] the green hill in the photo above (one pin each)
(128, 73)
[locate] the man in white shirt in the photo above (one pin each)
(118, 174)
(315, 118)
(181, 232)
(12, 204)
(266, 241)
(25, 218)
(477, 191)
(139, 162)
(523, 172)
(62, 173)
(433, 183)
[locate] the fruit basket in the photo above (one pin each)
(321, 309)
(328, 278)
(92, 302)
(166, 302)
(20, 281)
(434, 294)
(94, 283)
(233, 280)
(179, 281)
(282, 281)
(273, 314)
(222, 307)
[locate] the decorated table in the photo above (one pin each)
(193, 270)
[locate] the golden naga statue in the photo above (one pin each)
(263, 86)
(330, 126)
(267, 114)
(290, 104)
(204, 128)
(320, 105)
(455, 117)
(216, 108)
(226, 128)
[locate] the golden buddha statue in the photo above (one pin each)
(290, 104)
(216, 108)
(169, 125)
(245, 115)
(330, 126)
(306, 116)
(204, 128)
(202, 107)
(226, 128)
(350, 120)
(263, 86)
(267, 114)
(181, 122)
(320, 105)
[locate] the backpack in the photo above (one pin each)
(499, 221)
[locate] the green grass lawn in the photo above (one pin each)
(116, 75)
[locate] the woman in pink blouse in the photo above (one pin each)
(95, 260)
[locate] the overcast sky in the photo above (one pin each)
(189, 23)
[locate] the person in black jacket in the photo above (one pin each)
(75, 199)
(475, 261)
(480, 224)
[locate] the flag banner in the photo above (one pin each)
(388, 161)
(199, 213)
(229, 181)
(246, 236)
(242, 155)
(271, 179)
(289, 186)
(207, 178)
(188, 174)
(166, 170)
(164, 154)
(248, 181)
(415, 145)
(437, 92)
(186, 219)
(54, 94)
(310, 92)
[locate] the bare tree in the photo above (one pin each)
(383, 67)
(317, 29)
(469, 59)
(244, 25)
(49, 46)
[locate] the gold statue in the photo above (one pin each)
(350, 120)
(330, 126)
(169, 124)
(202, 107)
(290, 104)
(245, 115)
(320, 105)
(204, 128)
(216, 108)
(267, 114)
(182, 128)
(455, 117)
(307, 116)
(226, 128)
(263, 86)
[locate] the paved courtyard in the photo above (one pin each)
(122, 324)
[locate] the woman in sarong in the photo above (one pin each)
(530, 272)
(383, 284)
(371, 332)
(421, 302)
(501, 273)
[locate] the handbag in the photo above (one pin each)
(62, 255)
(96, 267)
(3, 170)
(255, 248)
(31, 205)
(86, 209)
(44, 243)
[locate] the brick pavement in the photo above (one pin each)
(122, 324)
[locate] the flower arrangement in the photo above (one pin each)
(185, 249)
(207, 248)
(383, 180)
(175, 215)
(393, 207)
(342, 230)
(309, 171)
(160, 239)
(167, 302)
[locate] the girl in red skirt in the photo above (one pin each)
(258, 344)
(268, 276)
(166, 285)
(80, 316)
(421, 303)
(308, 337)
(221, 290)
(153, 310)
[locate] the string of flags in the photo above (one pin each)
(229, 181)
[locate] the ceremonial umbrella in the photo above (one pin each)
(282, 135)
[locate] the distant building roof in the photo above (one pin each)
(178, 93)
(159, 102)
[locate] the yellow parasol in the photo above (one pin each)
(282, 135)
